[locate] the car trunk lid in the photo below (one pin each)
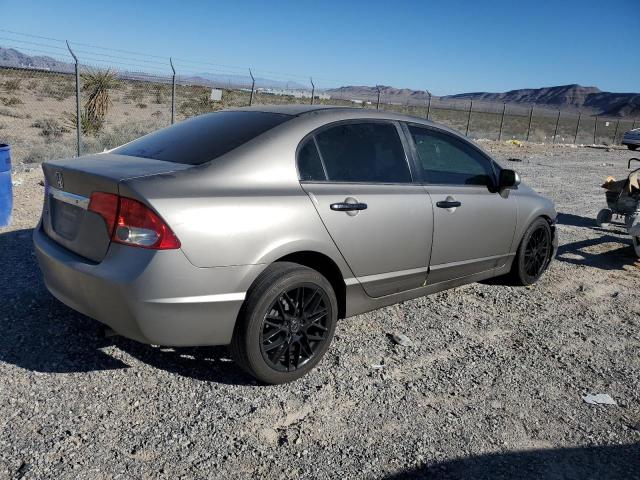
(69, 185)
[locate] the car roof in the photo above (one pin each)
(328, 111)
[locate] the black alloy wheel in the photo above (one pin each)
(295, 327)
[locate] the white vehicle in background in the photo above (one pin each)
(632, 139)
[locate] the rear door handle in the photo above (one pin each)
(448, 204)
(347, 207)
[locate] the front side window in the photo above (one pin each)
(363, 152)
(445, 160)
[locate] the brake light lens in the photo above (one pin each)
(131, 222)
(105, 205)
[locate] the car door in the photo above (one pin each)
(358, 176)
(473, 223)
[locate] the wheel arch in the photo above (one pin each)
(326, 267)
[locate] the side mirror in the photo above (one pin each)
(508, 179)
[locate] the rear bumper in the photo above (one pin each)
(155, 297)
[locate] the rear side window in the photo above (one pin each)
(446, 160)
(201, 139)
(309, 163)
(363, 152)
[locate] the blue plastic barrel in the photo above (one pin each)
(6, 194)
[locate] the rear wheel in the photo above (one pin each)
(534, 253)
(603, 219)
(286, 324)
(632, 147)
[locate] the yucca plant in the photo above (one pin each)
(97, 85)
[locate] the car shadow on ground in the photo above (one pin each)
(569, 219)
(611, 462)
(39, 333)
(575, 220)
(594, 252)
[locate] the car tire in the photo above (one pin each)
(603, 219)
(534, 253)
(281, 332)
(632, 147)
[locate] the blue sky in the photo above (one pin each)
(446, 47)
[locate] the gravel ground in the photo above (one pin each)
(491, 388)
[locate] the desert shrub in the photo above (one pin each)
(133, 96)
(32, 85)
(58, 90)
(12, 85)
(10, 101)
(7, 112)
(50, 128)
(49, 151)
(198, 104)
(159, 92)
(121, 134)
(97, 85)
(89, 124)
(141, 105)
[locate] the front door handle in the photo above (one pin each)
(347, 207)
(448, 204)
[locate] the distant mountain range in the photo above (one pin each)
(10, 57)
(388, 94)
(588, 99)
(591, 100)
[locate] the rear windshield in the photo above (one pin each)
(201, 139)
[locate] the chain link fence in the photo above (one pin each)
(38, 110)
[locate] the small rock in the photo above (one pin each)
(599, 399)
(402, 339)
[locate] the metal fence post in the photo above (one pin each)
(378, 101)
(469, 118)
(634, 124)
(429, 107)
(313, 89)
(575, 137)
(530, 118)
(253, 84)
(595, 130)
(555, 132)
(504, 107)
(78, 118)
(173, 92)
(615, 133)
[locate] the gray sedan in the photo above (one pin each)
(261, 227)
(632, 139)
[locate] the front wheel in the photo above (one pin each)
(603, 219)
(286, 323)
(632, 147)
(534, 253)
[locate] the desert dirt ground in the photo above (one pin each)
(491, 388)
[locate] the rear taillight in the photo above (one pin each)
(105, 205)
(132, 223)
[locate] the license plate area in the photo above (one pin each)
(66, 218)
